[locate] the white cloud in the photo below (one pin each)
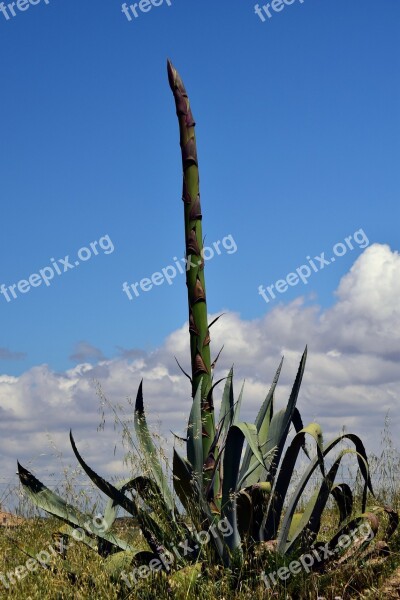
(366, 318)
(352, 376)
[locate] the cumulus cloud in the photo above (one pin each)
(368, 305)
(352, 377)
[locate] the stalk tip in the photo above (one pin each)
(171, 73)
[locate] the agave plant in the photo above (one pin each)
(234, 472)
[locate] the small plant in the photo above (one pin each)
(234, 472)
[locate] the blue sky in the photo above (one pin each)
(298, 139)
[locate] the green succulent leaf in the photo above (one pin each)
(238, 406)
(283, 544)
(107, 488)
(272, 517)
(111, 510)
(343, 497)
(44, 498)
(226, 412)
(185, 486)
(85, 538)
(280, 422)
(152, 532)
(237, 434)
(262, 424)
(149, 450)
(47, 500)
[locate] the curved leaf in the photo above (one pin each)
(152, 532)
(311, 521)
(363, 464)
(272, 517)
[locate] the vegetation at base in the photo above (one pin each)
(377, 579)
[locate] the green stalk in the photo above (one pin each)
(198, 323)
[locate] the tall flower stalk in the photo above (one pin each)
(198, 322)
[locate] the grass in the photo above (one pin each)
(377, 578)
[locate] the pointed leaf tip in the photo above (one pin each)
(21, 469)
(139, 406)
